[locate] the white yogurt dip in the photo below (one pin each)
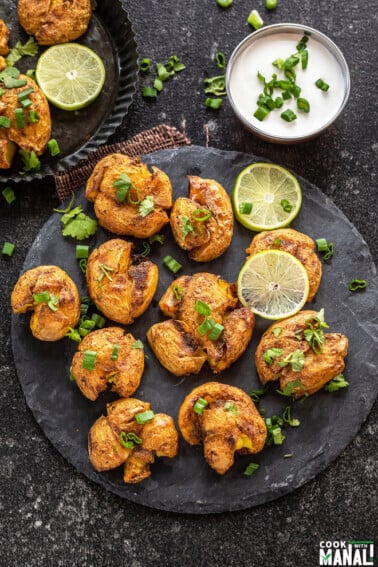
(256, 54)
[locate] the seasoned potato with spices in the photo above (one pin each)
(4, 38)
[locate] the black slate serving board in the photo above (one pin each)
(187, 484)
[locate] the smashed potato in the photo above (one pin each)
(286, 355)
(296, 243)
(128, 199)
(203, 223)
(118, 363)
(228, 423)
(53, 297)
(119, 438)
(54, 22)
(180, 345)
(4, 38)
(121, 286)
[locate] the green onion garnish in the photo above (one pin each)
(254, 19)
(270, 4)
(214, 103)
(89, 360)
(286, 205)
(277, 331)
(286, 416)
(303, 104)
(83, 265)
(144, 417)
(278, 102)
(288, 115)
(323, 246)
(8, 195)
(206, 326)
(144, 65)
(86, 326)
(99, 321)
(286, 95)
(216, 332)
(124, 440)
(202, 308)
(22, 95)
(356, 284)
(33, 116)
(229, 406)
(5, 122)
(138, 344)
(84, 308)
(177, 291)
(322, 85)
(199, 406)
(220, 59)
(172, 264)
(158, 84)
(304, 59)
(250, 469)
(245, 208)
(26, 102)
(149, 93)
(224, 3)
(53, 147)
(73, 334)
(82, 251)
(41, 297)
(255, 395)
(114, 354)
(291, 61)
(201, 215)
(20, 118)
(295, 90)
(8, 249)
(261, 113)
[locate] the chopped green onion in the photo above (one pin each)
(30, 159)
(41, 297)
(303, 104)
(8, 195)
(72, 377)
(123, 439)
(144, 417)
(82, 251)
(286, 95)
(337, 383)
(216, 332)
(84, 308)
(149, 93)
(174, 64)
(323, 246)
(277, 331)
(131, 436)
(224, 3)
(114, 354)
(304, 59)
(296, 91)
(216, 85)
(302, 44)
(157, 238)
(322, 85)
(8, 249)
(172, 264)
(147, 249)
(291, 61)
(220, 59)
(200, 405)
(99, 321)
(278, 102)
(201, 215)
(290, 74)
(20, 118)
(33, 116)
(255, 395)
(250, 469)
(261, 113)
(214, 103)
(286, 416)
(53, 147)
(86, 326)
(83, 265)
(288, 115)
(278, 63)
(73, 334)
(286, 205)
(254, 19)
(206, 326)
(89, 359)
(229, 406)
(158, 84)
(177, 292)
(245, 208)
(144, 65)
(202, 308)
(270, 4)
(163, 73)
(26, 102)
(356, 284)
(138, 344)
(5, 122)
(288, 456)
(30, 73)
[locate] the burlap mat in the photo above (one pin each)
(159, 137)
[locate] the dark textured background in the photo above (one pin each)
(52, 515)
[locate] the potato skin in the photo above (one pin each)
(223, 432)
(123, 218)
(210, 238)
(124, 373)
(318, 369)
(127, 288)
(4, 38)
(296, 243)
(7, 151)
(54, 22)
(105, 450)
(45, 324)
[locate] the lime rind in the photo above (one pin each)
(273, 284)
(265, 185)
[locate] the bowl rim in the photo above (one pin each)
(288, 28)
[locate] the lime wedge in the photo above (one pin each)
(273, 192)
(70, 75)
(274, 284)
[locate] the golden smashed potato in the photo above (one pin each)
(129, 199)
(319, 362)
(109, 436)
(121, 288)
(203, 223)
(57, 21)
(4, 38)
(229, 423)
(118, 363)
(52, 318)
(296, 243)
(179, 344)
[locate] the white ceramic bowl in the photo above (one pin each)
(257, 52)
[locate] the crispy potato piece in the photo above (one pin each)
(176, 348)
(7, 151)
(4, 38)
(229, 424)
(121, 289)
(296, 243)
(124, 373)
(318, 368)
(123, 217)
(54, 22)
(209, 239)
(46, 324)
(157, 438)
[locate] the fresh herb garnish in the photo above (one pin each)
(271, 354)
(144, 417)
(187, 226)
(19, 50)
(199, 406)
(229, 406)
(286, 416)
(326, 247)
(138, 344)
(296, 359)
(290, 387)
(146, 206)
(356, 285)
(256, 395)
(177, 291)
(277, 331)
(250, 469)
(337, 383)
(314, 334)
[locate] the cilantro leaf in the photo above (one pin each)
(70, 214)
(19, 50)
(270, 354)
(147, 206)
(30, 160)
(337, 383)
(80, 227)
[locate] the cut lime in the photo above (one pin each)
(274, 284)
(70, 75)
(273, 192)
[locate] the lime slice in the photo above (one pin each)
(274, 284)
(274, 193)
(70, 75)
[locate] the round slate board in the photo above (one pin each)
(187, 484)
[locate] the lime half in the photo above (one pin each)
(70, 75)
(273, 192)
(274, 284)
